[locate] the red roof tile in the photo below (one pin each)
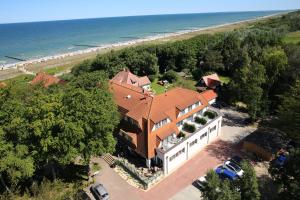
(212, 80)
(209, 95)
(127, 77)
(45, 79)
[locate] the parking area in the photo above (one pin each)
(235, 127)
(178, 185)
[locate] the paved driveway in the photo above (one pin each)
(234, 129)
(210, 157)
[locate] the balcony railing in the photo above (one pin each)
(171, 145)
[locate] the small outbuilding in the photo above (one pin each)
(46, 80)
(211, 81)
(265, 143)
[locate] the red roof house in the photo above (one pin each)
(127, 77)
(45, 79)
(211, 81)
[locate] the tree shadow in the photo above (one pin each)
(268, 189)
(223, 150)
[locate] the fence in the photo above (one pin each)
(131, 169)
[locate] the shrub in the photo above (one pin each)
(210, 114)
(200, 120)
(189, 127)
(181, 135)
(152, 77)
(170, 76)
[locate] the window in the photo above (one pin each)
(197, 104)
(200, 112)
(190, 108)
(182, 112)
(161, 123)
(177, 154)
(194, 142)
(203, 135)
(213, 128)
(190, 118)
(179, 123)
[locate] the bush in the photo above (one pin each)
(170, 76)
(152, 77)
(189, 127)
(210, 114)
(181, 135)
(200, 120)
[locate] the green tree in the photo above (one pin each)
(212, 188)
(289, 112)
(16, 163)
(248, 183)
(288, 177)
(215, 189)
(275, 61)
(171, 76)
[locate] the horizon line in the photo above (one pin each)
(89, 18)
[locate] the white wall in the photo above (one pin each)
(212, 101)
(146, 87)
(190, 151)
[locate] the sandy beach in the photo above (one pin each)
(64, 62)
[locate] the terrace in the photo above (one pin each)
(191, 127)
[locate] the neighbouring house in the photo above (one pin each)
(211, 81)
(127, 77)
(2, 85)
(155, 126)
(46, 80)
(210, 96)
(265, 143)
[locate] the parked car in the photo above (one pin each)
(99, 192)
(225, 173)
(234, 168)
(280, 160)
(200, 182)
(236, 160)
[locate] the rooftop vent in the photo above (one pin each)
(128, 96)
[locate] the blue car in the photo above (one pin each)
(280, 160)
(226, 174)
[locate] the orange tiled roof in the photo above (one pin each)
(145, 107)
(127, 77)
(209, 95)
(211, 80)
(45, 79)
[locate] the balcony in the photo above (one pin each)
(208, 117)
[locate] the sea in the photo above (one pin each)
(34, 40)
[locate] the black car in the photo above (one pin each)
(99, 192)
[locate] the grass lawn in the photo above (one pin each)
(184, 83)
(224, 79)
(56, 70)
(293, 37)
(159, 89)
(20, 79)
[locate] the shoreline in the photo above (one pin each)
(20, 66)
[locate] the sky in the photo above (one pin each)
(12, 11)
